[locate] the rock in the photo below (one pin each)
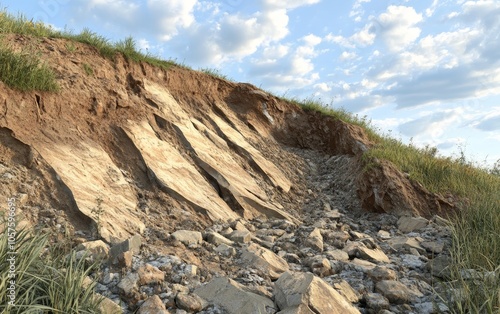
(337, 255)
(292, 290)
(241, 236)
(217, 239)
(376, 302)
(108, 306)
(233, 297)
(150, 274)
(396, 292)
(372, 255)
(409, 224)
(315, 240)
(100, 190)
(190, 270)
(345, 289)
(382, 273)
(433, 246)
(399, 243)
(129, 283)
(319, 266)
(189, 302)
(193, 189)
(264, 260)
(225, 250)
(439, 266)
(132, 244)
(124, 259)
(384, 235)
(96, 250)
(362, 265)
(153, 305)
(188, 237)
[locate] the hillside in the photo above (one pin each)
(204, 190)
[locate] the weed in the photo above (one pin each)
(46, 280)
(24, 71)
(88, 69)
(214, 73)
(97, 214)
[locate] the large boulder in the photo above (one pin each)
(305, 293)
(234, 297)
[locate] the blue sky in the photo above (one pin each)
(425, 71)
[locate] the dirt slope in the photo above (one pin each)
(136, 149)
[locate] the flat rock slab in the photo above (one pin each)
(409, 224)
(293, 290)
(234, 297)
(261, 258)
(96, 184)
(216, 161)
(167, 165)
(268, 168)
(396, 292)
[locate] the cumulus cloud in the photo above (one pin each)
(293, 69)
(397, 26)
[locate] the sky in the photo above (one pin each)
(425, 71)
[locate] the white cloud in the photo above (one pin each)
(291, 4)
(347, 56)
(433, 125)
(430, 11)
(397, 26)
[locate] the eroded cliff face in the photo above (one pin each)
(132, 148)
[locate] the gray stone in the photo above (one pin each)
(433, 246)
(150, 274)
(189, 302)
(233, 297)
(264, 260)
(372, 255)
(294, 290)
(96, 250)
(345, 289)
(129, 283)
(337, 255)
(188, 237)
(108, 306)
(439, 266)
(217, 239)
(315, 240)
(382, 273)
(376, 302)
(409, 224)
(396, 292)
(225, 250)
(153, 305)
(133, 244)
(406, 243)
(241, 236)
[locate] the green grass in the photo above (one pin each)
(88, 69)
(214, 73)
(25, 71)
(10, 24)
(47, 280)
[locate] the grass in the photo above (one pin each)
(24, 71)
(47, 279)
(475, 226)
(214, 73)
(88, 69)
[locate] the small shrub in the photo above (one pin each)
(88, 69)
(214, 73)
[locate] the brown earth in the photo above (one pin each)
(140, 149)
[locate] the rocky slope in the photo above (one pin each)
(207, 196)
